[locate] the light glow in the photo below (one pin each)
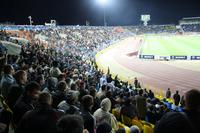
(103, 2)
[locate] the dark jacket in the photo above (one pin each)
(89, 121)
(58, 97)
(15, 92)
(194, 118)
(23, 105)
(40, 120)
(174, 122)
(129, 111)
(177, 99)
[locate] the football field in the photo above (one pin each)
(171, 45)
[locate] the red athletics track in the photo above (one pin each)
(156, 74)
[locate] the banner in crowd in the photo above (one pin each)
(12, 48)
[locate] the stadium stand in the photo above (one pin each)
(60, 61)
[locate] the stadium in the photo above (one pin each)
(100, 79)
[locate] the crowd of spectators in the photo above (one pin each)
(55, 89)
(153, 29)
(191, 27)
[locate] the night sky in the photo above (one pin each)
(76, 12)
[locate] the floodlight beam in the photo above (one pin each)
(103, 2)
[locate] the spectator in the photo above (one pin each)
(55, 71)
(26, 102)
(151, 94)
(7, 80)
(168, 93)
(136, 82)
(40, 80)
(128, 109)
(71, 124)
(141, 105)
(69, 105)
(185, 122)
(13, 95)
(88, 118)
(192, 108)
(60, 94)
(104, 128)
(134, 129)
(103, 114)
(96, 100)
(103, 80)
(102, 93)
(177, 98)
(21, 78)
(173, 122)
(51, 85)
(40, 120)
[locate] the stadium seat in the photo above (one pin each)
(147, 123)
(126, 120)
(137, 123)
(147, 127)
(116, 114)
(127, 129)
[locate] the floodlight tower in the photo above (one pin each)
(30, 20)
(104, 3)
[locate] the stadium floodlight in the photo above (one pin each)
(104, 3)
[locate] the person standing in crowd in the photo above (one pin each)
(69, 105)
(141, 105)
(71, 124)
(51, 85)
(42, 119)
(102, 93)
(21, 78)
(168, 93)
(103, 80)
(129, 109)
(151, 94)
(104, 128)
(192, 108)
(184, 122)
(88, 118)
(96, 101)
(103, 115)
(60, 94)
(7, 80)
(136, 82)
(176, 98)
(17, 89)
(26, 102)
(55, 71)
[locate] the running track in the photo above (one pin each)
(157, 75)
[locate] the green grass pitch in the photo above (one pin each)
(171, 45)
